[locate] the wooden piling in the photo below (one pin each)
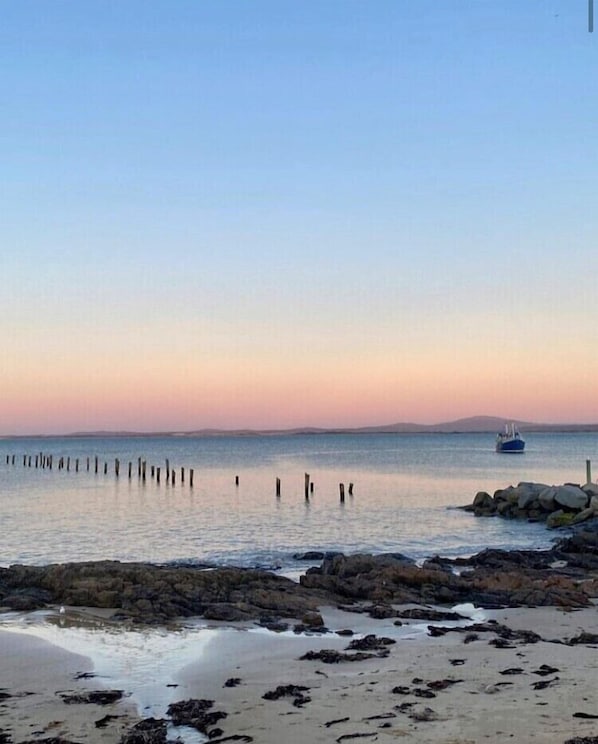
(278, 487)
(130, 469)
(68, 463)
(182, 476)
(24, 460)
(341, 487)
(77, 465)
(172, 473)
(158, 475)
(139, 467)
(87, 462)
(116, 467)
(588, 471)
(152, 471)
(96, 463)
(143, 467)
(191, 478)
(105, 468)
(350, 489)
(236, 480)
(307, 486)
(167, 469)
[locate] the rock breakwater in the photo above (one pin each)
(558, 506)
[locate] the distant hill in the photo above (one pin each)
(473, 424)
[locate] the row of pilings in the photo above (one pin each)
(94, 464)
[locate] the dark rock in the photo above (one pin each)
(148, 731)
(381, 612)
(195, 713)
(104, 721)
(315, 555)
(423, 613)
(370, 643)
(226, 612)
(232, 682)
(96, 697)
(293, 691)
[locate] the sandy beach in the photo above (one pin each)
(460, 687)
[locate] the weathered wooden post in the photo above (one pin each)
(191, 478)
(96, 463)
(13, 459)
(105, 468)
(143, 466)
(139, 467)
(88, 464)
(341, 487)
(116, 467)
(350, 489)
(172, 475)
(157, 475)
(77, 465)
(311, 486)
(68, 463)
(152, 471)
(307, 486)
(167, 469)
(278, 487)
(130, 469)
(7, 459)
(588, 471)
(24, 460)
(236, 480)
(182, 476)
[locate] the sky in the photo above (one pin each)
(272, 213)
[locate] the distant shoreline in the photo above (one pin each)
(474, 425)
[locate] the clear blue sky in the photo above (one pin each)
(281, 213)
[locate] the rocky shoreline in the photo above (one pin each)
(388, 587)
(565, 575)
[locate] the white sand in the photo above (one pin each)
(484, 706)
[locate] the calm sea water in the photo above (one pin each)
(405, 490)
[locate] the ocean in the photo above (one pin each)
(406, 490)
(404, 494)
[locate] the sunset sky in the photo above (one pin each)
(233, 213)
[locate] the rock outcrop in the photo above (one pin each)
(565, 576)
(147, 593)
(558, 506)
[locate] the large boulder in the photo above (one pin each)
(528, 493)
(571, 497)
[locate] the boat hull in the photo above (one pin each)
(510, 445)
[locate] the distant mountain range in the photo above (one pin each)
(473, 424)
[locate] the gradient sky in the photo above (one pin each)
(222, 213)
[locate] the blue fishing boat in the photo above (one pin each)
(510, 440)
